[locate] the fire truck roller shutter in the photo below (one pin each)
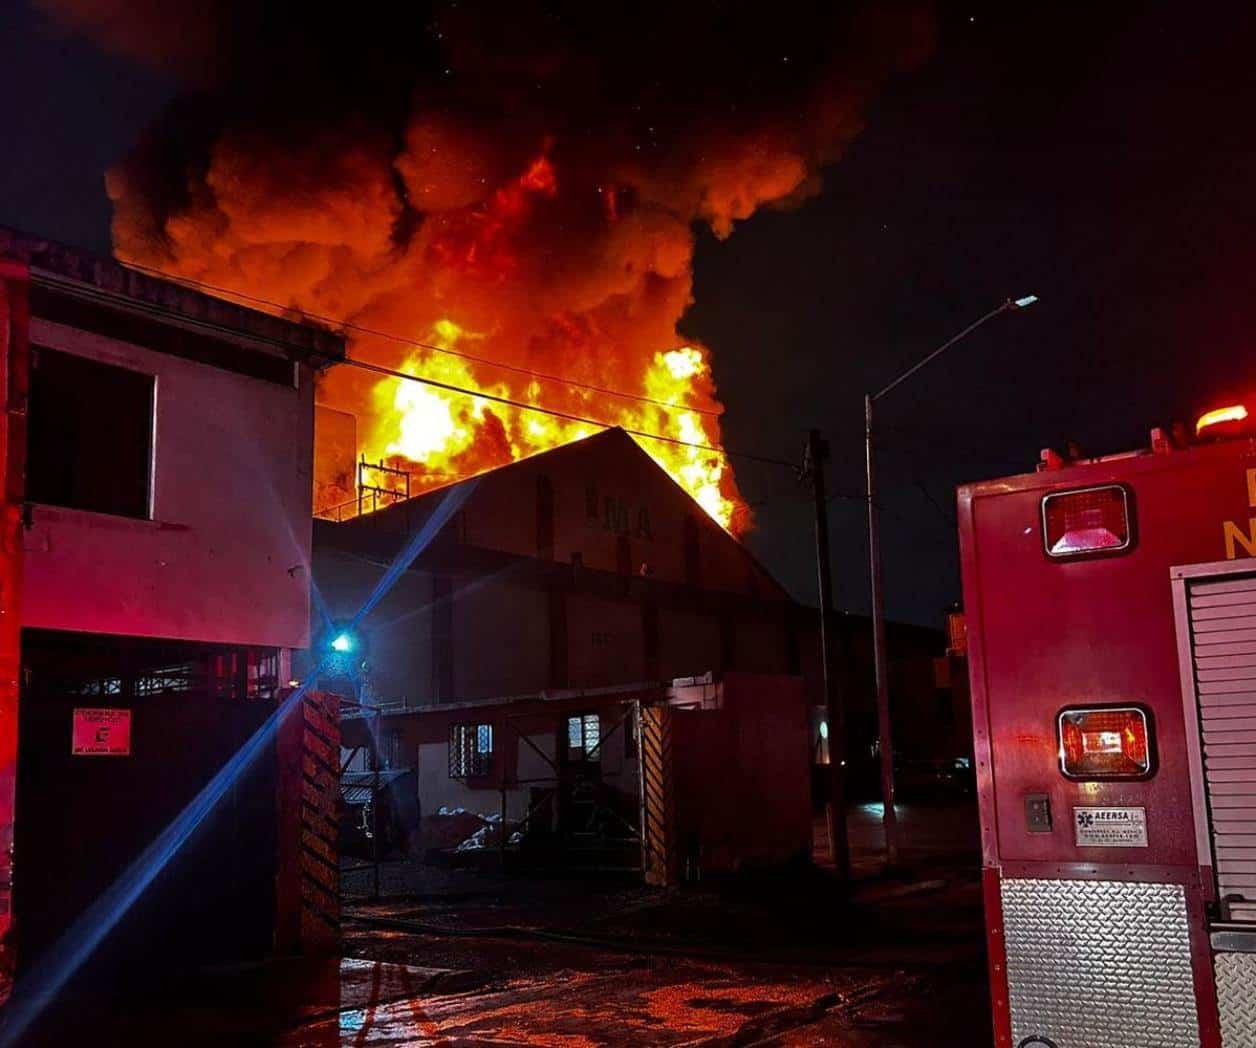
(1222, 614)
(1223, 647)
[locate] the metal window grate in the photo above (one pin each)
(584, 734)
(470, 750)
(164, 679)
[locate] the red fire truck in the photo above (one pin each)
(1111, 615)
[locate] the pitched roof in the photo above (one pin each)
(407, 516)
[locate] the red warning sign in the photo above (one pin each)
(101, 733)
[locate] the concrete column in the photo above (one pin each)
(14, 364)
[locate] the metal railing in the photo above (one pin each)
(392, 486)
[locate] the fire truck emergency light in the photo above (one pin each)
(1089, 520)
(1104, 743)
(1233, 413)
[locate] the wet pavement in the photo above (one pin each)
(467, 957)
(782, 960)
(612, 1001)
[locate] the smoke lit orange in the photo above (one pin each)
(523, 189)
(437, 435)
(481, 281)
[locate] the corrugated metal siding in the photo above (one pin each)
(1223, 639)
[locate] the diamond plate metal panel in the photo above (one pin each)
(1236, 998)
(1099, 964)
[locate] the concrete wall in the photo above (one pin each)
(436, 788)
(605, 644)
(493, 634)
(760, 647)
(689, 643)
(741, 764)
(742, 776)
(520, 765)
(498, 635)
(225, 557)
(499, 639)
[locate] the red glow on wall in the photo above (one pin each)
(14, 280)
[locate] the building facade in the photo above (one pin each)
(582, 567)
(567, 592)
(158, 492)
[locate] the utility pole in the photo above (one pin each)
(375, 810)
(814, 458)
(885, 740)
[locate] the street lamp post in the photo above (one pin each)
(885, 742)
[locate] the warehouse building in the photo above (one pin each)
(514, 660)
(571, 591)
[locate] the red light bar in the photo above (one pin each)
(1089, 520)
(1104, 743)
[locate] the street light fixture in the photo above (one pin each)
(885, 743)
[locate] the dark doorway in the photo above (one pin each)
(82, 818)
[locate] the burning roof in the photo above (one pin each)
(588, 480)
(502, 198)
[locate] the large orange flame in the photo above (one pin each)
(436, 435)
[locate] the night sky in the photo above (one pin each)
(1100, 161)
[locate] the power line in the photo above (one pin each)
(950, 520)
(524, 406)
(415, 343)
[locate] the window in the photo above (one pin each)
(470, 750)
(165, 679)
(583, 735)
(615, 515)
(392, 749)
(99, 686)
(90, 435)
